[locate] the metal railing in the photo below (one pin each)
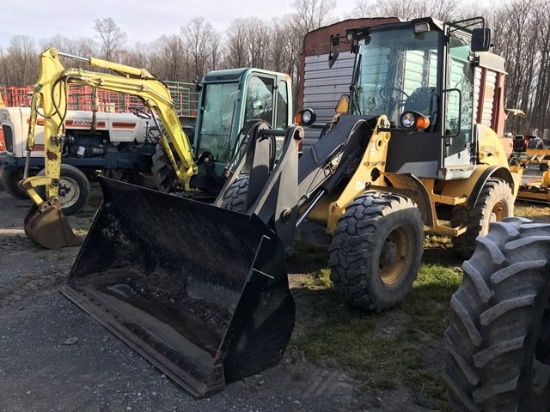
(81, 98)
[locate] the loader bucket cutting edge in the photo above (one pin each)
(199, 291)
(47, 226)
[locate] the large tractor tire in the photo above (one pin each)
(235, 198)
(495, 203)
(163, 175)
(10, 180)
(498, 340)
(74, 189)
(376, 251)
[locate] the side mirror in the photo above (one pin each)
(481, 40)
(332, 57)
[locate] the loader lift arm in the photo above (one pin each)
(50, 101)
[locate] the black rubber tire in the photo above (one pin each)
(495, 203)
(376, 251)
(499, 330)
(74, 189)
(163, 175)
(10, 180)
(235, 198)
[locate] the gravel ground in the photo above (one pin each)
(54, 357)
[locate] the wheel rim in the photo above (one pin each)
(395, 257)
(69, 192)
(499, 211)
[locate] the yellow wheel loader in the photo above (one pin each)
(201, 290)
(229, 102)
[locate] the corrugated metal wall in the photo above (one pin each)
(324, 86)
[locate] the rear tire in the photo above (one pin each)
(163, 175)
(499, 333)
(376, 251)
(74, 189)
(10, 180)
(495, 203)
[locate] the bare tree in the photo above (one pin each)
(283, 56)
(540, 108)
(312, 14)
(515, 40)
(237, 48)
(444, 10)
(84, 47)
(198, 39)
(138, 56)
(21, 62)
(112, 38)
(249, 43)
(169, 59)
(218, 53)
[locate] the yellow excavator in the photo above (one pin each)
(230, 101)
(45, 223)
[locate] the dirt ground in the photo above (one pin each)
(54, 357)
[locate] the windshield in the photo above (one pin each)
(398, 71)
(217, 119)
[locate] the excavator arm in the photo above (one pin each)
(49, 100)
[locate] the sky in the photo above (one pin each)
(143, 21)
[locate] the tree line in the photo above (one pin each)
(521, 34)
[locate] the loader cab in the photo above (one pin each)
(231, 101)
(420, 74)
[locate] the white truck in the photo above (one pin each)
(117, 144)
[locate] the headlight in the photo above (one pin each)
(408, 120)
(305, 117)
(414, 120)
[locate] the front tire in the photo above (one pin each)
(376, 251)
(498, 340)
(495, 203)
(236, 196)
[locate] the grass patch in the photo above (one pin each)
(400, 347)
(532, 211)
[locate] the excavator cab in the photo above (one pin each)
(231, 100)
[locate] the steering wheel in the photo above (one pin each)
(400, 102)
(139, 113)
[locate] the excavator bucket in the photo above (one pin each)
(47, 226)
(201, 292)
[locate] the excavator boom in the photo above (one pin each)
(45, 223)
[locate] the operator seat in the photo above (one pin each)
(422, 100)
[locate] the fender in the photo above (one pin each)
(492, 171)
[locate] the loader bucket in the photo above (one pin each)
(199, 291)
(47, 226)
